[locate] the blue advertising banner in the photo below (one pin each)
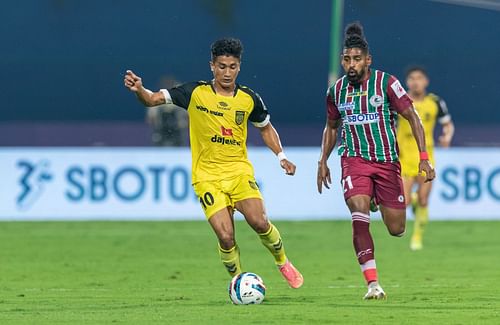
(152, 183)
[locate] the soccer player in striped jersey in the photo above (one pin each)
(431, 109)
(365, 104)
(222, 176)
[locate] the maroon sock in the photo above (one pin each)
(363, 245)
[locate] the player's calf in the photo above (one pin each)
(231, 259)
(271, 239)
(363, 246)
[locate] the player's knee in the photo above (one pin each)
(423, 201)
(397, 230)
(261, 226)
(226, 240)
(359, 205)
(258, 221)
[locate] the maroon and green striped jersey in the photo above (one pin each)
(369, 113)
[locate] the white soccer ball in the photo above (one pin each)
(247, 288)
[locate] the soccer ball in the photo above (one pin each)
(247, 288)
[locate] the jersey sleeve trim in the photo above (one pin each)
(445, 119)
(262, 124)
(259, 115)
(168, 98)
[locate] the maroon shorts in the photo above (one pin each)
(379, 180)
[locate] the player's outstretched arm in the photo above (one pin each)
(272, 140)
(327, 144)
(418, 133)
(145, 96)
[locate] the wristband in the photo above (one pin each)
(424, 155)
(281, 156)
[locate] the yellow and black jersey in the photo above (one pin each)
(218, 128)
(431, 109)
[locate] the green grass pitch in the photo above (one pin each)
(169, 273)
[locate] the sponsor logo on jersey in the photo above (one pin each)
(239, 117)
(223, 106)
(225, 141)
(347, 106)
(398, 89)
(206, 110)
(356, 119)
(201, 108)
(216, 113)
(376, 100)
(226, 132)
(357, 93)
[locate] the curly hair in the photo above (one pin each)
(227, 46)
(354, 37)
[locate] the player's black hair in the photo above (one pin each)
(355, 37)
(227, 46)
(418, 68)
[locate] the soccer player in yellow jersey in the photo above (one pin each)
(431, 108)
(222, 176)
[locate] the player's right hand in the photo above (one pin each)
(288, 166)
(132, 81)
(426, 167)
(324, 177)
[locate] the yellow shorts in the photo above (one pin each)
(217, 195)
(409, 160)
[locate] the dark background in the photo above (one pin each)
(64, 60)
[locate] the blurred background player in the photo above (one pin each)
(222, 176)
(169, 123)
(364, 103)
(431, 108)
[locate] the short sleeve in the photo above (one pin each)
(398, 98)
(332, 112)
(180, 95)
(443, 116)
(259, 115)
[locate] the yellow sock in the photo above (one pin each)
(231, 259)
(421, 220)
(272, 240)
(414, 202)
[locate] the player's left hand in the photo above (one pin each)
(425, 166)
(288, 166)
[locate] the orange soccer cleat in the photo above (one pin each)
(291, 275)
